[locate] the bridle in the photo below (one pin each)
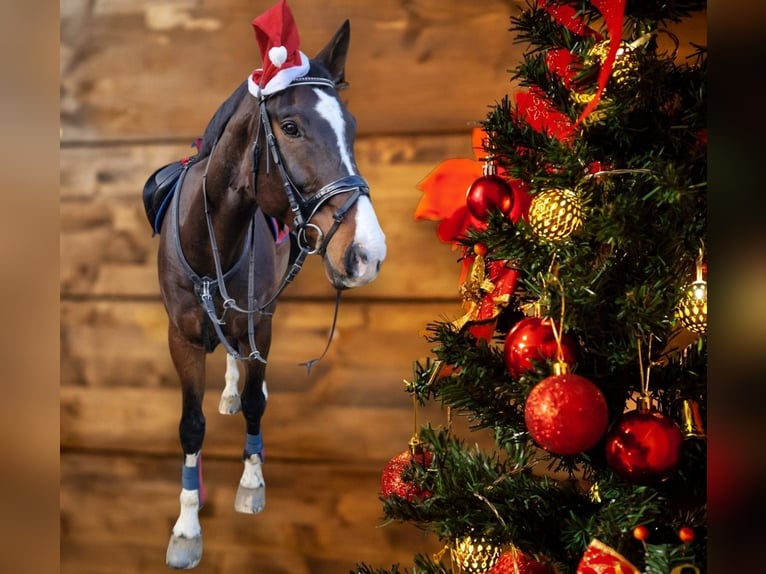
(303, 208)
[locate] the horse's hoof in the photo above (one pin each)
(250, 500)
(184, 553)
(229, 405)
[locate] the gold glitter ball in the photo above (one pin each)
(692, 309)
(474, 556)
(625, 66)
(555, 213)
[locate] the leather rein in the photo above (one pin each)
(303, 208)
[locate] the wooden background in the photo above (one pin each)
(139, 81)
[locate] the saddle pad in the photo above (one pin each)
(158, 191)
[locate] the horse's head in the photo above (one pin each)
(313, 138)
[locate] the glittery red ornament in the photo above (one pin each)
(531, 341)
(602, 559)
(566, 414)
(489, 192)
(392, 483)
(644, 446)
(516, 562)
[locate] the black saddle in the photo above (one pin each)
(158, 191)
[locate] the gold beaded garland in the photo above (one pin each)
(555, 213)
(474, 556)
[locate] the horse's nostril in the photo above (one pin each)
(377, 267)
(351, 261)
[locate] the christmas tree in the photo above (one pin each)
(582, 343)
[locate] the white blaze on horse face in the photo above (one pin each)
(369, 238)
(329, 108)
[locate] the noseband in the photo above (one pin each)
(305, 208)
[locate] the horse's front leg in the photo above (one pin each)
(251, 492)
(230, 402)
(185, 546)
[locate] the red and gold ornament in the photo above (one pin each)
(486, 291)
(644, 446)
(393, 484)
(532, 341)
(566, 414)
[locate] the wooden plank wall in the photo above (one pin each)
(139, 81)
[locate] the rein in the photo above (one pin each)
(303, 210)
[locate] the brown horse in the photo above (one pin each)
(269, 167)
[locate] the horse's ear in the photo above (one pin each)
(333, 55)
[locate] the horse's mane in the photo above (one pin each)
(220, 118)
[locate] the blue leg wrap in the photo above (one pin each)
(253, 445)
(190, 477)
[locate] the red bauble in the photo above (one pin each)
(566, 414)
(391, 481)
(488, 193)
(516, 562)
(644, 447)
(531, 341)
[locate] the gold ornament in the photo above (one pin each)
(594, 494)
(555, 213)
(692, 309)
(624, 74)
(474, 556)
(625, 63)
(601, 110)
(691, 419)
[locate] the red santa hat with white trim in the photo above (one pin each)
(278, 40)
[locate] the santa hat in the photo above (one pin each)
(278, 40)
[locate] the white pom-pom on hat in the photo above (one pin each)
(278, 55)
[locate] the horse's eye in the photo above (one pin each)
(290, 129)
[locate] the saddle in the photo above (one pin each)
(158, 191)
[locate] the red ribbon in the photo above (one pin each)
(613, 12)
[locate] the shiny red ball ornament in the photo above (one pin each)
(565, 413)
(531, 341)
(516, 562)
(489, 192)
(644, 446)
(391, 481)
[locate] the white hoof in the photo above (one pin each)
(251, 492)
(184, 553)
(250, 500)
(229, 404)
